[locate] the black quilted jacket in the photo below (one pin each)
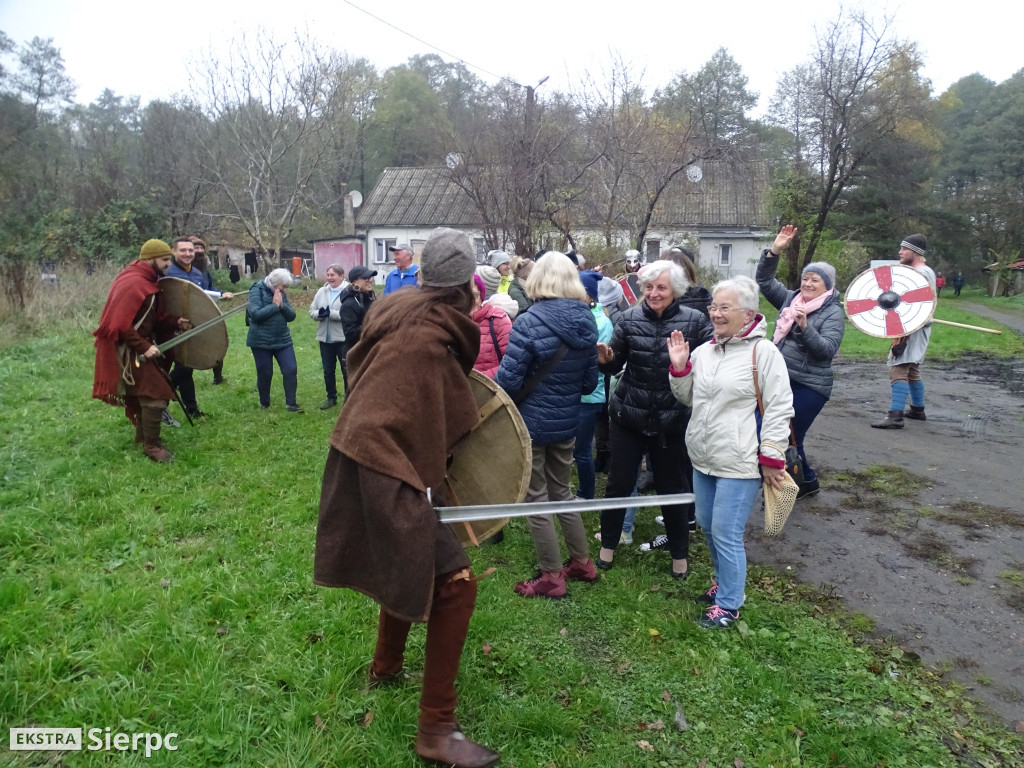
(642, 401)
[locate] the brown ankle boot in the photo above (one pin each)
(445, 743)
(154, 448)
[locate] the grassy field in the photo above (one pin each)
(157, 599)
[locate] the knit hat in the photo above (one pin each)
(609, 293)
(447, 259)
(497, 258)
(824, 270)
(916, 243)
(591, 281)
(198, 241)
(491, 278)
(505, 302)
(154, 249)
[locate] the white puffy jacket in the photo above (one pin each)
(722, 436)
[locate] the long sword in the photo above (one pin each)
(472, 513)
(183, 337)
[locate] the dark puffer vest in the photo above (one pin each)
(643, 401)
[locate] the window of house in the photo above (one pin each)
(724, 254)
(652, 248)
(381, 254)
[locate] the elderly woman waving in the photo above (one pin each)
(645, 417)
(808, 333)
(728, 456)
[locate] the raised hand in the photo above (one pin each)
(784, 238)
(678, 350)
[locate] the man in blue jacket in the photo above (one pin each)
(405, 272)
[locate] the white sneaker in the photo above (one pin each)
(660, 541)
(660, 520)
(624, 538)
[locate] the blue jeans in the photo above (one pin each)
(723, 506)
(583, 452)
(807, 404)
(264, 359)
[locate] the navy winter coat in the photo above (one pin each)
(551, 410)
(268, 323)
(643, 401)
(808, 352)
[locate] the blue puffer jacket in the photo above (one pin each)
(268, 323)
(551, 410)
(809, 351)
(643, 401)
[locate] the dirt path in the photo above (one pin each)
(940, 570)
(1010, 321)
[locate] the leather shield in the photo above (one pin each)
(187, 299)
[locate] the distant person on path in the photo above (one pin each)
(133, 323)
(907, 352)
(958, 282)
(410, 403)
(808, 332)
(330, 335)
(940, 283)
(405, 272)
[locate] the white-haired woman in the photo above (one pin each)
(550, 363)
(268, 315)
(645, 417)
(728, 455)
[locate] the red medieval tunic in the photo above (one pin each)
(133, 320)
(408, 405)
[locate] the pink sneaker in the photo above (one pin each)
(574, 570)
(550, 585)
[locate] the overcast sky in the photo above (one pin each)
(141, 48)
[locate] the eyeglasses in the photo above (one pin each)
(723, 308)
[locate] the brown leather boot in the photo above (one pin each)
(386, 667)
(439, 737)
(154, 448)
(894, 420)
(445, 743)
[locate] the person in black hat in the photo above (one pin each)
(907, 352)
(356, 299)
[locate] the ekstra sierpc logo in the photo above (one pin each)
(96, 739)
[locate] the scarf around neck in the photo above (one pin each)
(788, 315)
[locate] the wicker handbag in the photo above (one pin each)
(778, 503)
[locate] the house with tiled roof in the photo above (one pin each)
(722, 207)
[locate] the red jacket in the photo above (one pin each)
(489, 359)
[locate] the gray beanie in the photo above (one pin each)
(447, 259)
(916, 243)
(497, 258)
(824, 270)
(491, 278)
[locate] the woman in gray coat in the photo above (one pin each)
(808, 332)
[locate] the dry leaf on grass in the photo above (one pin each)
(487, 649)
(666, 696)
(645, 745)
(659, 725)
(368, 719)
(319, 722)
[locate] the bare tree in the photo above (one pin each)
(860, 92)
(267, 110)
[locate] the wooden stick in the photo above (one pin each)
(964, 325)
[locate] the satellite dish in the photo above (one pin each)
(453, 160)
(694, 173)
(357, 198)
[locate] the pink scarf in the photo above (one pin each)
(788, 316)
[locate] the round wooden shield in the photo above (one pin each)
(187, 299)
(889, 301)
(492, 465)
(631, 288)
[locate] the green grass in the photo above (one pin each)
(150, 598)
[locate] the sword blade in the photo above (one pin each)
(469, 514)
